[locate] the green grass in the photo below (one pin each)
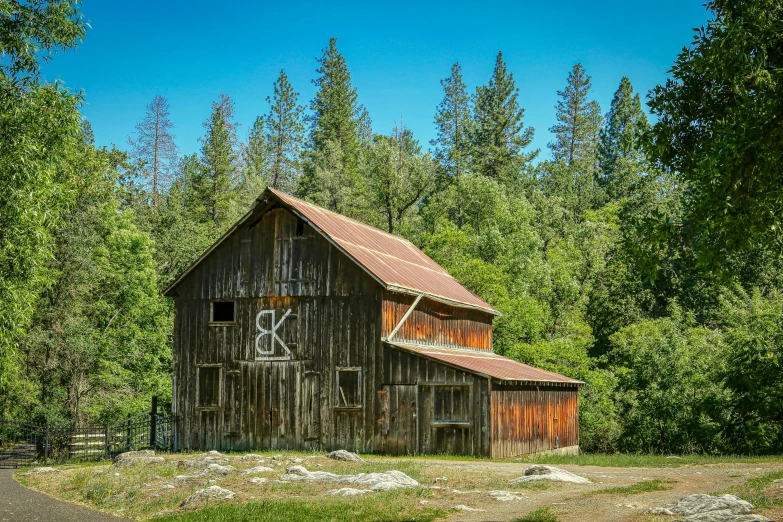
(646, 461)
(539, 515)
(755, 491)
(362, 509)
(640, 487)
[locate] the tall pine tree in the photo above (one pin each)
(578, 122)
(153, 147)
(454, 126)
(284, 135)
(620, 154)
(215, 182)
(338, 123)
(499, 136)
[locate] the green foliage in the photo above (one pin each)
(719, 129)
(499, 136)
(620, 153)
(339, 126)
(398, 176)
(454, 124)
(283, 136)
(578, 123)
(669, 394)
(634, 489)
(31, 30)
(753, 334)
(539, 515)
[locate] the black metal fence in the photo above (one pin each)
(24, 444)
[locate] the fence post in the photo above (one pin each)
(46, 442)
(153, 421)
(128, 434)
(107, 442)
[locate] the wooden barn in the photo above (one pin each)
(303, 329)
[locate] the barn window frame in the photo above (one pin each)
(341, 397)
(467, 401)
(213, 321)
(219, 402)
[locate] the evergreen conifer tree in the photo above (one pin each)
(153, 147)
(578, 123)
(214, 184)
(620, 154)
(337, 126)
(454, 125)
(283, 130)
(499, 136)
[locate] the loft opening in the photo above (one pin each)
(349, 388)
(223, 312)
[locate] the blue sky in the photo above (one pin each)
(192, 51)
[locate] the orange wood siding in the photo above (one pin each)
(436, 323)
(528, 420)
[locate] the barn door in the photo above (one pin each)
(402, 436)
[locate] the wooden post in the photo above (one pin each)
(46, 442)
(128, 434)
(153, 421)
(107, 442)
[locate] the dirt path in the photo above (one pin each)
(580, 502)
(20, 504)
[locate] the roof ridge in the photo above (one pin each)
(342, 216)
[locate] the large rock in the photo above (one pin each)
(257, 469)
(207, 494)
(212, 470)
(551, 473)
(345, 455)
(202, 463)
(707, 508)
(130, 458)
(347, 492)
(42, 471)
(504, 496)
(375, 481)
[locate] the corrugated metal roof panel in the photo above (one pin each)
(395, 261)
(489, 364)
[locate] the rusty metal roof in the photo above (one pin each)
(488, 364)
(395, 262)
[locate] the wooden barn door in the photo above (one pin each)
(401, 420)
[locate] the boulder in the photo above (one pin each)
(258, 480)
(708, 508)
(504, 496)
(345, 456)
(376, 481)
(550, 473)
(130, 458)
(251, 456)
(347, 492)
(210, 471)
(257, 469)
(207, 494)
(202, 463)
(42, 471)
(462, 507)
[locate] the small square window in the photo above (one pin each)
(223, 312)
(300, 227)
(349, 388)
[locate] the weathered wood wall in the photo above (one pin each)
(530, 419)
(335, 322)
(436, 323)
(468, 436)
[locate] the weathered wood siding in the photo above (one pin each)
(420, 428)
(334, 322)
(530, 419)
(436, 323)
